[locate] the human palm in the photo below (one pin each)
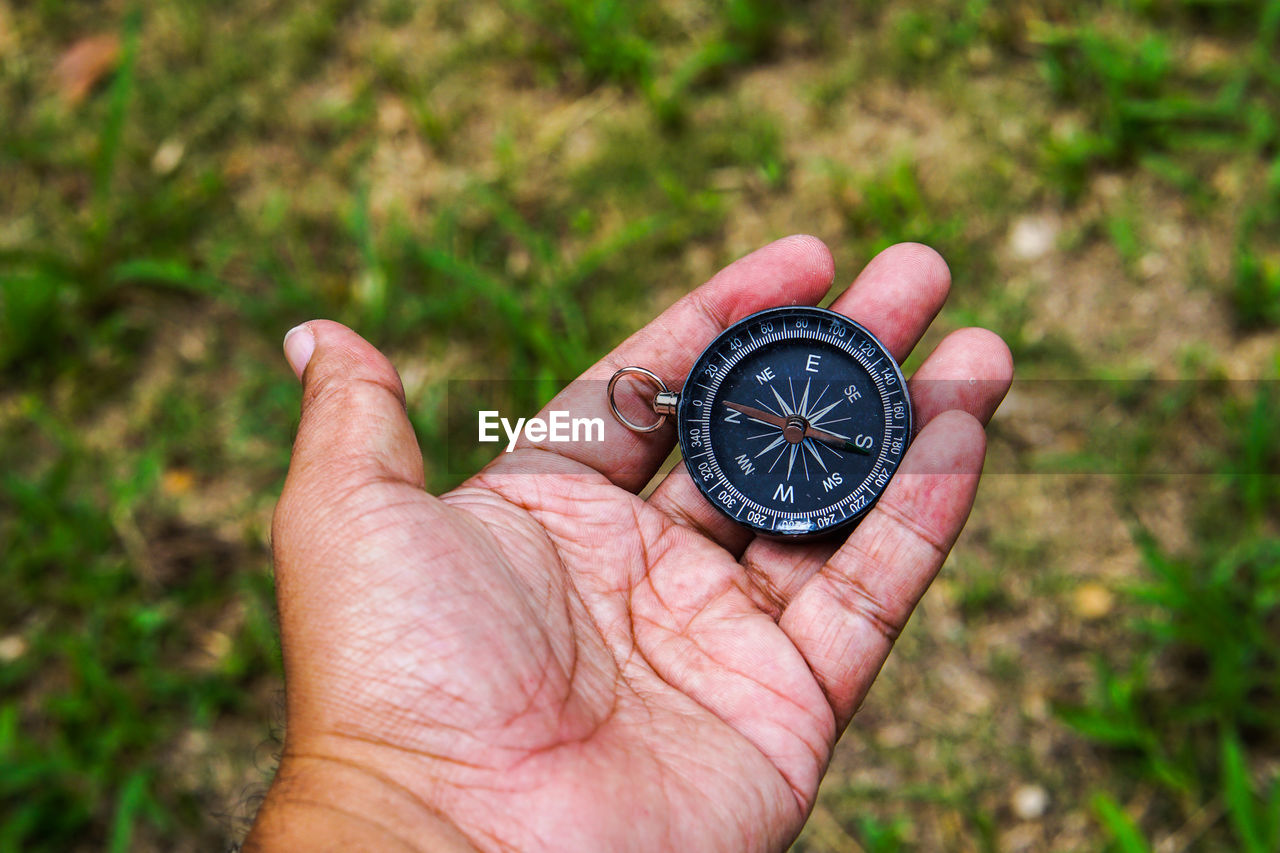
(541, 659)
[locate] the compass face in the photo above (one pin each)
(793, 421)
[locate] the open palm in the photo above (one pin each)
(542, 660)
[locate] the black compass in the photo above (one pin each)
(792, 421)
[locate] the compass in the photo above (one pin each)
(792, 422)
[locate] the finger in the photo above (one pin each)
(354, 430)
(356, 470)
(794, 270)
(845, 619)
(969, 371)
(895, 297)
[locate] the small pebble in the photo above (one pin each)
(1092, 600)
(1030, 802)
(1032, 237)
(12, 647)
(167, 157)
(177, 481)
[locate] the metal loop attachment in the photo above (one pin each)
(663, 402)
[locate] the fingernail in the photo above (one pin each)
(299, 344)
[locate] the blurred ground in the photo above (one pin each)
(505, 189)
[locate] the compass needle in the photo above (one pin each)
(766, 418)
(829, 448)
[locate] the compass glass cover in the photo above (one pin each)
(793, 421)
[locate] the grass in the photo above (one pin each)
(120, 690)
(503, 190)
(1195, 692)
(1255, 282)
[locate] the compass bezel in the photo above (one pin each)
(719, 360)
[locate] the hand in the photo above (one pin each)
(545, 661)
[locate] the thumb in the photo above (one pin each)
(354, 456)
(354, 429)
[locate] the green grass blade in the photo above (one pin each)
(1120, 826)
(174, 274)
(1238, 791)
(121, 94)
(133, 798)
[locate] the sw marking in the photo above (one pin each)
(557, 429)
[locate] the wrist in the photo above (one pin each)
(322, 803)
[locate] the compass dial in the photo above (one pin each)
(793, 421)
